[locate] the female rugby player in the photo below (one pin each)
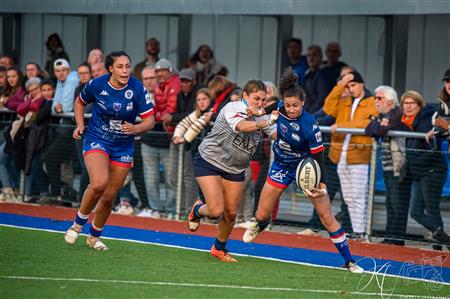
(108, 146)
(298, 137)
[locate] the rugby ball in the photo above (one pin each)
(308, 174)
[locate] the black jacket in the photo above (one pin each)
(423, 157)
(185, 104)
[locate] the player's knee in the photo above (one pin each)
(98, 187)
(229, 216)
(215, 212)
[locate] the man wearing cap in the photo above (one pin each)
(155, 146)
(350, 152)
(62, 148)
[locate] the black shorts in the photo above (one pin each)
(204, 168)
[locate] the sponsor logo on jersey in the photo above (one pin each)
(101, 104)
(245, 142)
(278, 175)
(96, 145)
(104, 93)
(129, 106)
(128, 94)
(295, 137)
(315, 127)
(148, 98)
(117, 106)
(319, 136)
(126, 158)
(284, 145)
(284, 129)
(295, 126)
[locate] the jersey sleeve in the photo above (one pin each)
(144, 103)
(314, 137)
(87, 95)
(234, 114)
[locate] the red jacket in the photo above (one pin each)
(166, 97)
(29, 105)
(16, 99)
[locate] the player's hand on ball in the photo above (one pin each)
(78, 132)
(316, 192)
(129, 129)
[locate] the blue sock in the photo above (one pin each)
(81, 219)
(196, 212)
(94, 231)
(340, 241)
(220, 245)
(263, 224)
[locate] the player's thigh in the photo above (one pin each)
(322, 206)
(97, 165)
(267, 200)
(232, 192)
(117, 176)
(213, 191)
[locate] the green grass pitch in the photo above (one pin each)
(38, 264)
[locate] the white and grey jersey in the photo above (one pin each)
(227, 148)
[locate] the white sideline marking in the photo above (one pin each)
(224, 286)
(240, 254)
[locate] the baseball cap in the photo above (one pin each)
(187, 74)
(357, 77)
(61, 62)
(446, 75)
(163, 64)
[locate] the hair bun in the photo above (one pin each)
(288, 80)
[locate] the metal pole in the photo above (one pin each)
(22, 185)
(180, 173)
(371, 195)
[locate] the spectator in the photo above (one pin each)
(84, 73)
(98, 70)
(95, 56)
(236, 95)
(205, 65)
(32, 70)
(6, 61)
(272, 90)
(329, 74)
(150, 82)
(55, 51)
(152, 48)
(2, 82)
(9, 173)
(62, 149)
(297, 61)
(426, 164)
(442, 121)
(352, 153)
(14, 92)
(155, 149)
(221, 89)
(195, 126)
(311, 81)
(393, 156)
(37, 113)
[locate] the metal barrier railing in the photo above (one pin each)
(179, 192)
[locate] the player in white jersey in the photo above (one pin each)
(222, 159)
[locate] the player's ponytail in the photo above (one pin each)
(109, 60)
(288, 85)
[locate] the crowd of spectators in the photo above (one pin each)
(186, 104)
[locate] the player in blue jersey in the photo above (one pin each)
(298, 137)
(108, 148)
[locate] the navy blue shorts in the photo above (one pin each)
(204, 168)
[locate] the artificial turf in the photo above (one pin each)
(136, 270)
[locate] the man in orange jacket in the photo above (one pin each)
(352, 153)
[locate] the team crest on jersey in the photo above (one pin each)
(117, 106)
(128, 94)
(284, 129)
(315, 127)
(129, 106)
(295, 126)
(319, 136)
(295, 137)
